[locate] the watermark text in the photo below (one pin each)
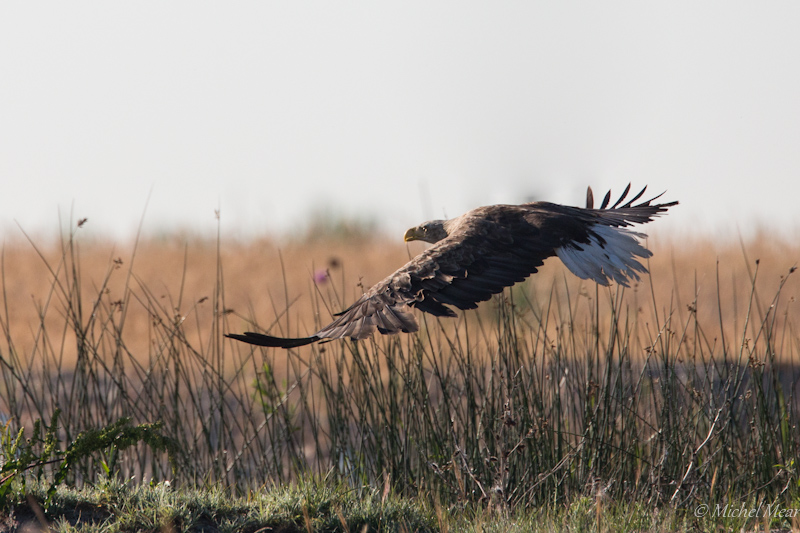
(728, 510)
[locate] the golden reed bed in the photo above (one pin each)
(191, 280)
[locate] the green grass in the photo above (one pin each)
(565, 411)
(309, 506)
(320, 506)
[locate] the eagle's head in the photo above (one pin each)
(431, 231)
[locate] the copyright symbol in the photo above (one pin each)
(701, 510)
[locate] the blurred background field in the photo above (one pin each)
(292, 286)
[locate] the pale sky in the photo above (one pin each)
(396, 112)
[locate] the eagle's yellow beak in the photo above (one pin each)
(412, 235)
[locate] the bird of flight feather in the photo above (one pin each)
(487, 249)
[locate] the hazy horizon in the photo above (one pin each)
(393, 113)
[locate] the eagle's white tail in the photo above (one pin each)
(611, 254)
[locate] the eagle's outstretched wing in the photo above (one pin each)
(486, 250)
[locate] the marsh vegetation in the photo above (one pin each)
(679, 391)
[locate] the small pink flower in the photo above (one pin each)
(321, 276)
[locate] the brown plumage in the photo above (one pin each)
(485, 250)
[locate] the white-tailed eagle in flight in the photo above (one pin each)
(485, 250)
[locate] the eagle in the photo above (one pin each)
(487, 249)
